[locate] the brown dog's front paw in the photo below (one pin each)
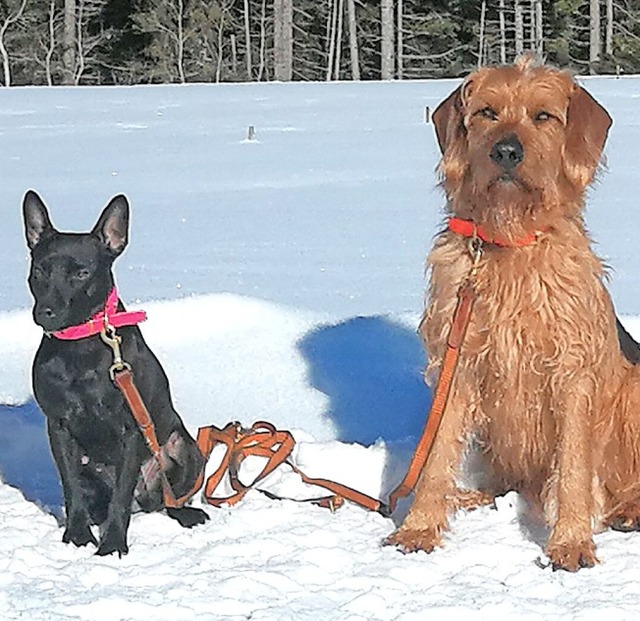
(412, 540)
(572, 557)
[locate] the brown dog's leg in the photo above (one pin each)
(435, 494)
(570, 545)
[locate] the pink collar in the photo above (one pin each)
(109, 315)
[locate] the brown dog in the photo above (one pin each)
(541, 383)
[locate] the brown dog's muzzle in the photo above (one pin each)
(507, 153)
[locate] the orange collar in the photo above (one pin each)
(467, 228)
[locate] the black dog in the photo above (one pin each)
(101, 455)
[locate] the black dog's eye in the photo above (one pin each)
(36, 273)
(487, 113)
(542, 116)
(83, 274)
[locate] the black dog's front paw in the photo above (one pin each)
(188, 517)
(113, 540)
(78, 533)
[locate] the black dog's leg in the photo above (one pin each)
(188, 517)
(114, 531)
(189, 463)
(67, 456)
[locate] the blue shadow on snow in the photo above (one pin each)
(25, 459)
(371, 370)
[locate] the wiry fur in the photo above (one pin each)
(541, 381)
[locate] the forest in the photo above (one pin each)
(97, 42)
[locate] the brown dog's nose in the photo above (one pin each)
(508, 152)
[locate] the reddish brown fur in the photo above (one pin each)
(541, 380)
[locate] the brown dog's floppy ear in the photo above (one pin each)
(588, 124)
(447, 119)
(37, 224)
(112, 228)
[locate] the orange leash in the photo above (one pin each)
(264, 440)
(455, 338)
(462, 315)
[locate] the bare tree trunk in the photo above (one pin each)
(532, 25)
(79, 69)
(353, 40)
(283, 39)
(220, 49)
(263, 39)
(483, 13)
(386, 49)
(519, 27)
(247, 37)
(234, 56)
(594, 34)
(336, 71)
(52, 42)
(539, 31)
(69, 42)
(608, 41)
(400, 40)
(11, 19)
(331, 27)
(503, 36)
(181, 41)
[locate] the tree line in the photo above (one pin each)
(161, 41)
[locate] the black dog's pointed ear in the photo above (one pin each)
(447, 119)
(37, 224)
(112, 228)
(588, 125)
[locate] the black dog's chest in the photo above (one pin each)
(73, 388)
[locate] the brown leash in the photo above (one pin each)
(262, 439)
(120, 372)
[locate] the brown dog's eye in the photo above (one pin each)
(543, 116)
(487, 113)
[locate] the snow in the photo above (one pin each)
(283, 278)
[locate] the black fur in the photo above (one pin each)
(98, 449)
(630, 348)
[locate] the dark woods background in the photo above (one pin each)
(157, 41)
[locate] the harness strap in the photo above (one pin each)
(262, 439)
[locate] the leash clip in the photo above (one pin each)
(475, 250)
(112, 339)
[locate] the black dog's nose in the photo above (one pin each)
(508, 152)
(44, 315)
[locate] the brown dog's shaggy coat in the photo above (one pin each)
(541, 383)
